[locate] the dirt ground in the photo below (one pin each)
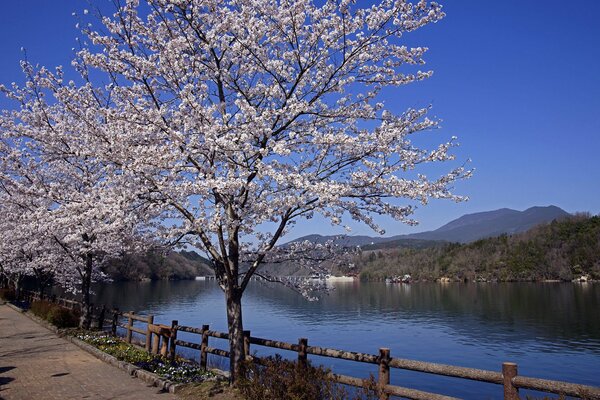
(209, 390)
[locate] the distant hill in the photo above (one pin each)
(343, 240)
(153, 265)
(563, 249)
(466, 229)
(193, 256)
(404, 243)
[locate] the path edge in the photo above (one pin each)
(137, 372)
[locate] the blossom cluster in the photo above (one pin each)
(219, 123)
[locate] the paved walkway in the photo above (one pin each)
(36, 364)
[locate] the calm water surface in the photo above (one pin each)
(551, 330)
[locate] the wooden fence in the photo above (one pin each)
(162, 339)
(508, 377)
(99, 314)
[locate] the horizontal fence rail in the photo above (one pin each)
(557, 387)
(448, 370)
(344, 355)
(511, 385)
(274, 344)
(162, 339)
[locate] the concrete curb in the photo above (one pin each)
(131, 369)
(10, 305)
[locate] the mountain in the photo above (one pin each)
(466, 229)
(471, 227)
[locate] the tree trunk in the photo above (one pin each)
(4, 281)
(41, 283)
(236, 333)
(17, 283)
(85, 320)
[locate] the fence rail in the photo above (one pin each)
(162, 339)
(99, 314)
(507, 378)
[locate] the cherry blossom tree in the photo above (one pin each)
(237, 118)
(240, 117)
(23, 245)
(67, 217)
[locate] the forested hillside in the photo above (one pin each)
(562, 250)
(157, 265)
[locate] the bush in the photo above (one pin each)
(56, 315)
(8, 294)
(62, 317)
(41, 308)
(277, 379)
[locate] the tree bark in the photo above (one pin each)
(85, 320)
(236, 333)
(42, 282)
(17, 280)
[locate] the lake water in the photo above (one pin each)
(551, 330)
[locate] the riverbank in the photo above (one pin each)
(479, 280)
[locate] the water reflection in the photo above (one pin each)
(563, 312)
(552, 330)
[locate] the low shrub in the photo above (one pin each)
(274, 378)
(41, 308)
(8, 294)
(56, 315)
(62, 317)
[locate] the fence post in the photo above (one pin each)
(114, 322)
(384, 372)
(509, 371)
(149, 322)
(203, 346)
(302, 358)
(101, 317)
(129, 325)
(156, 344)
(172, 340)
(246, 345)
(164, 345)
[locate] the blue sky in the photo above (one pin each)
(516, 80)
